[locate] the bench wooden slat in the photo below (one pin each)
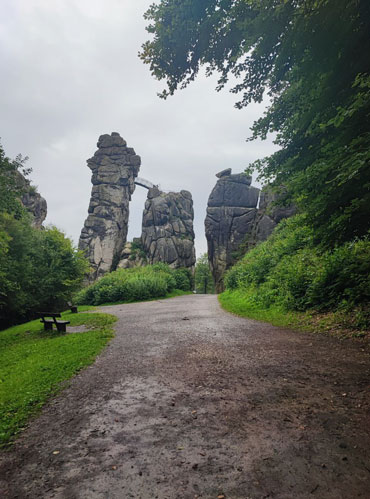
(48, 314)
(48, 323)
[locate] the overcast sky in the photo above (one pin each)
(70, 72)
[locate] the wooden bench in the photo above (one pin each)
(48, 322)
(72, 307)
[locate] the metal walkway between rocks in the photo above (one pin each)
(144, 183)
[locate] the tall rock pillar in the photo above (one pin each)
(114, 168)
(231, 213)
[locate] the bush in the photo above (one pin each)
(289, 271)
(39, 269)
(136, 284)
(289, 237)
(184, 279)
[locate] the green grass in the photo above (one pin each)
(338, 323)
(34, 363)
(236, 303)
(178, 292)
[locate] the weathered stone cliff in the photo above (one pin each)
(133, 255)
(268, 216)
(34, 203)
(233, 222)
(167, 230)
(114, 167)
(231, 214)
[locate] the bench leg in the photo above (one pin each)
(48, 326)
(62, 328)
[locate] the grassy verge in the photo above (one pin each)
(178, 292)
(172, 294)
(34, 363)
(335, 323)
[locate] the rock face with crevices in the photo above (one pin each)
(231, 213)
(269, 215)
(34, 203)
(167, 230)
(233, 222)
(133, 255)
(114, 168)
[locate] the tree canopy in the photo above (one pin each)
(311, 57)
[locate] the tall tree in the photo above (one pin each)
(203, 277)
(311, 58)
(39, 269)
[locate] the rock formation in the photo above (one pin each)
(231, 214)
(268, 216)
(34, 203)
(133, 255)
(233, 220)
(167, 230)
(114, 167)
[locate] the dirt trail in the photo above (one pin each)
(189, 401)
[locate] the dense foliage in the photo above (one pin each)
(203, 278)
(290, 272)
(135, 284)
(10, 189)
(39, 269)
(312, 58)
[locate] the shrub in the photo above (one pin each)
(289, 271)
(184, 279)
(139, 283)
(39, 269)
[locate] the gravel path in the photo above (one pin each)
(189, 401)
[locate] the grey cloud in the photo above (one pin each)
(71, 73)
